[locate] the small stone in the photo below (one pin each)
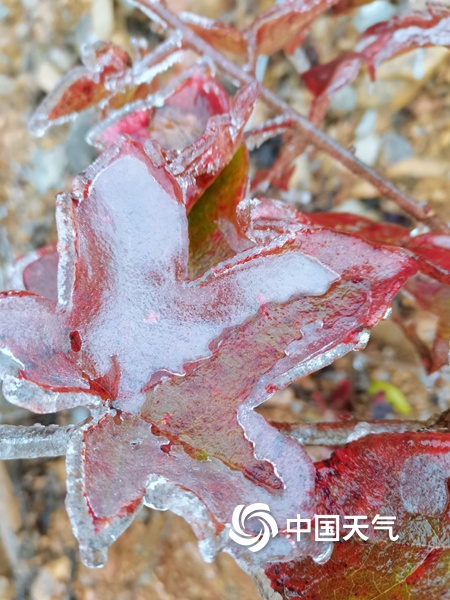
(51, 580)
(368, 148)
(47, 76)
(4, 12)
(47, 170)
(395, 148)
(7, 85)
(102, 14)
(367, 123)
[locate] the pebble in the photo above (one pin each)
(7, 85)
(367, 148)
(47, 169)
(367, 123)
(395, 148)
(102, 15)
(4, 12)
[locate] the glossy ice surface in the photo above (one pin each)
(173, 365)
(408, 476)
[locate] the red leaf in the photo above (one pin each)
(222, 36)
(378, 233)
(325, 80)
(285, 25)
(40, 275)
(430, 27)
(408, 480)
(178, 123)
(177, 365)
(82, 87)
(433, 254)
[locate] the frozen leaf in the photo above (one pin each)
(285, 25)
(408, 476)
(178, 123)
(433, 253)
(222, 36)
(325, 80)
(380, 42)
(83, 87)
(175, 366)
(282, 27)
(430, 27)
(431, 250)
(378, 233)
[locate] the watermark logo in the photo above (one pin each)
(262, 513)
(324, 528)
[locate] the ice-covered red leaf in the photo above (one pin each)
(433, 253)
(408, 476)
(325, 80)
(282, 27)
(176, 365)
(400, 34)
(285, 25)
(38, 272)
(178, 123)
(378, 233)
(83, 87)
(219, 35)
(380, 42)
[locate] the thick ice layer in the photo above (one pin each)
(179, 364)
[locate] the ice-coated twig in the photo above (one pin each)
(17, 441)
(340, 433)
(419, 211)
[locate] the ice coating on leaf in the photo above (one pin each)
(179, 122)
(17, 441)
(427, 495)
(379, 233)
(408, 476)
(433, 253)
(83, 87)
(284, 26)
(179, 364)
(430, 27)
(382, 41)
(325, 80)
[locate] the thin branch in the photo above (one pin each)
(18, 441)
(343, 432)
(419, 211)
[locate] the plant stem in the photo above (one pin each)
(342, 432)
(18, 441)
(419, 211)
